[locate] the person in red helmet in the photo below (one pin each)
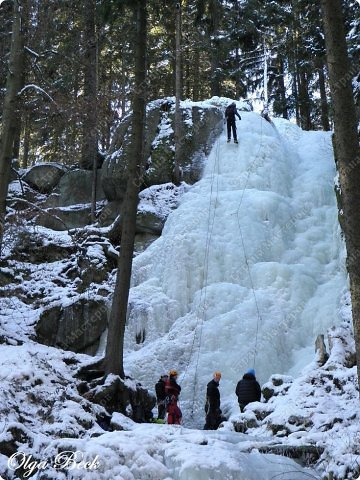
(172, 390)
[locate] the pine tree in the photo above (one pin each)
(115, 339)
(10, 110)
(346, 149)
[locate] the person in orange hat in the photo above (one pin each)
(212, 407)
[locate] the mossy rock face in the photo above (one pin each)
(267, 393)
(198, 130)
(278, 430)
(43, 177)
(7, 277)
(75, 187)
(114, 171)
(118, 395)
(31, 247)
(77, 327)
(61, 219)
(147, 222)
(243, 424)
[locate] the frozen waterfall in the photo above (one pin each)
(249, 268)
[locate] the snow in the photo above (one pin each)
(161, 199)
(248, 270)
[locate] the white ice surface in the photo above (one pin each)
(249, 268)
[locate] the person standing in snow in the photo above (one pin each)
(230, 113)
(172, 391)
(161, 395)
(212, 407)
(248, 389)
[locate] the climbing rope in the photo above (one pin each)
(202, 301)
(249, 171)
(201, 310)
(206, 266)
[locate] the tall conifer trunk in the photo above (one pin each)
(90, 138)
(115, 341)
(324, 104)
(10, 116)
(178, 82)
(346, 149)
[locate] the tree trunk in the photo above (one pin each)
(196, 84)
(295, 89)
(90, 139)
(215, 63)
(10, 110)
(346, 148)
(282, 89)
(304, 101)
(237, 75)
(177, 119)
(115, 341)
(26, 145)
(324, 103)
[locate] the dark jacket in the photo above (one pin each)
(213, 395)
(230, 113)
(160, 390)
(248, 390)
(172, 388)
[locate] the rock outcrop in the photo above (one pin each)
(44, 177)
(76, 327)
(198, 131)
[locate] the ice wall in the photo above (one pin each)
(249, 268)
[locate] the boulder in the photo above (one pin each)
(244, 422)
(320, 350)
(125, 396)
(76, 327)
(44, 177)
(66, 218)
(277, 386)
(75, 187)
(148, 222)
(21, 196)
(199, 127)
(143, 240)
(32, 247)
(114, 169)
(109, 213)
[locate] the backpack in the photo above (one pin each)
(160, 390)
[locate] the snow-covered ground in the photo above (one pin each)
(249, 269)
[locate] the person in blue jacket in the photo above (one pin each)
(248, 389)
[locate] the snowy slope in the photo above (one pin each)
(249, 268)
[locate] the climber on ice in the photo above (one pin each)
(230, 113)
